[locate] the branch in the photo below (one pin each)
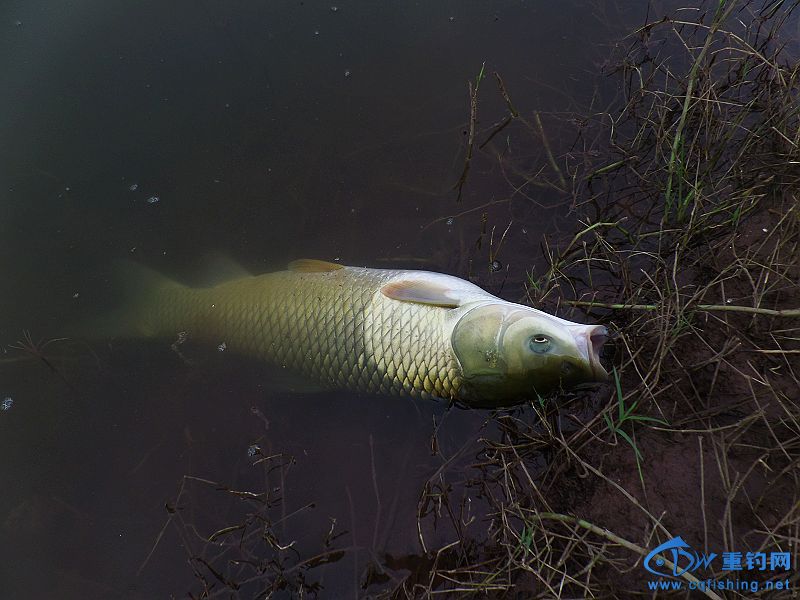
(794, 312)
(621, 541)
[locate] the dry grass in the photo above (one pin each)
(688, 197)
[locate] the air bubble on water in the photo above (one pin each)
(18, 23)
(222, 347)
(7, 403)
(75, 295)
(133, 187)
(495, 266)
(452, 19)
(153, 200)
(316, 32)
(66, 189)
(347, 72)
(449, 221)
(253, 449)
(334, 8)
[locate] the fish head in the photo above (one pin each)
(509, 353)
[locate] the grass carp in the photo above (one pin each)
(399, 332)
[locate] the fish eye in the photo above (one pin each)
(539, 343)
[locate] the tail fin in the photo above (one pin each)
(141, 288)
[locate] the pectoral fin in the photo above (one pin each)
(433, 289)
(422, 292)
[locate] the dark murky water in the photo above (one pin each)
(267, 131)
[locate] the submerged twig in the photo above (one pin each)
(473, 117)
(549, 152)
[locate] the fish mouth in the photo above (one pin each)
(597, 338)
(590, 339)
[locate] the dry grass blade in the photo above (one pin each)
(689, 247)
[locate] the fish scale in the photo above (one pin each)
(334, 327)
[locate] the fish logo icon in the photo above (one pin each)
(683, 559)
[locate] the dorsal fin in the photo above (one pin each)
(310, 265)
(220, 268)
(434, 293)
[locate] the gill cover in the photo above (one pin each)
(509, 353)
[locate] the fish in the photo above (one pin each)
(398, 332)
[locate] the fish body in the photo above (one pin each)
(397, 332)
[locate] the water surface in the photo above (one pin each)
(266, 131)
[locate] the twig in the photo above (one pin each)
(514, 113)
(473, 117)
(795, 312)
(622, 542)
(551, 159)
(377, 493)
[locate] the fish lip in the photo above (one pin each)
(597, 336)
(589, 339)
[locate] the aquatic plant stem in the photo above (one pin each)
(719, 18)
(473, 118)
(545, 516)
(548, 151)
(794, 312)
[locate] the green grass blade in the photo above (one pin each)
(628, 439)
